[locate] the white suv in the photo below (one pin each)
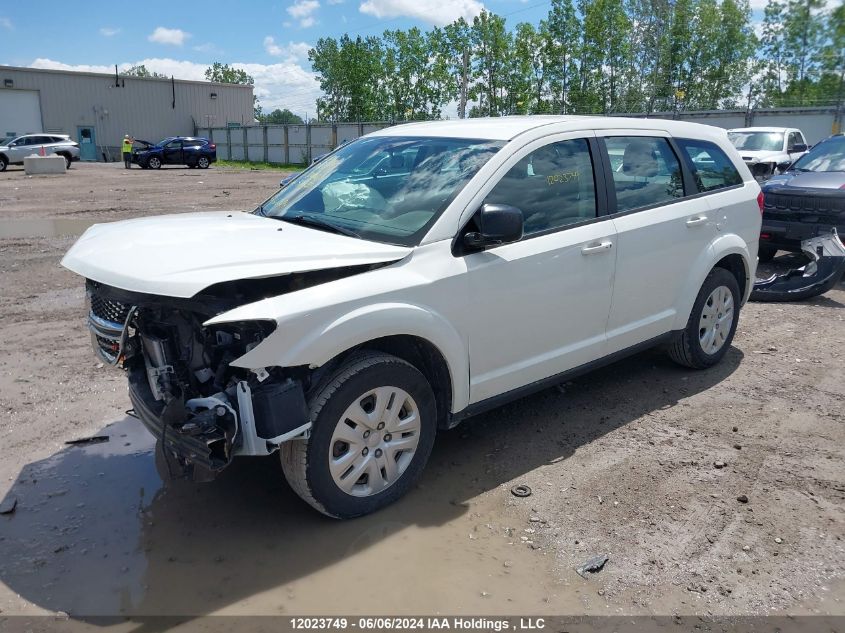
(15, 150)
(358, 311)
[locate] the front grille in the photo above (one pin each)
(822, 205)
(108, 310)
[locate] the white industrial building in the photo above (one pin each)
(97, 109)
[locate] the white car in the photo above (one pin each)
(768, 150)
(16, 149)
(353, 314)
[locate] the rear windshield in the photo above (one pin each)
(385, 188)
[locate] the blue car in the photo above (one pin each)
(176, 150)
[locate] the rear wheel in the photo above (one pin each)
(766, 253)
(4, 162)
(154, 162)
(202, 162)
(712, 322)
(374, 422)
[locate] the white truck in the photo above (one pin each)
(768, 150)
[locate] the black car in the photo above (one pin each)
(807, 200)
(176, 150)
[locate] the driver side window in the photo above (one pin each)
(553, 186)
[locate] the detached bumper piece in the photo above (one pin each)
(826, 268)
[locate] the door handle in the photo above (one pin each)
(700, 219)
(593, 249)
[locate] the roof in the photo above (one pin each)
(508, 127)
(111, 76)
(761, 129)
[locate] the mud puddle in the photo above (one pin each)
(44, 227)
(95, 532)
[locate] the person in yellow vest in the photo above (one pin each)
(127, 151)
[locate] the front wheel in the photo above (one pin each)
(154, 162)
(712, 323)
(374, 422)
(4, 162)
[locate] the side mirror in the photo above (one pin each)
(798, 147)
(498, 224)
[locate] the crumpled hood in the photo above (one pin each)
(180, 255)
(808, 180)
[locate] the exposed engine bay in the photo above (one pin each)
(181, 384)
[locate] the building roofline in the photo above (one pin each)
(111, 76)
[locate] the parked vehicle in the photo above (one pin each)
(806, 201)
(176, 150)
(768, 150)
(13, 152)
(355, 313)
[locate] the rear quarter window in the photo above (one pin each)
(711, 168)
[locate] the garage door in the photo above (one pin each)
(20, 112)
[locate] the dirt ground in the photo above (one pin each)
(620, 462)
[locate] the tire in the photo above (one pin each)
(4, 162)
(154, 162)
(67, 160)
(352, 387)
(202, 162)
(766, 253)
(698, 346)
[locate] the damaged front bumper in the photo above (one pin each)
(821, 274)
(183, 388)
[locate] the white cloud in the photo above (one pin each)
(6, 23)
(303, 11)
(108, 31)
(162, 35)
(282, 85)
(208, 47)
(335, 2)
(437, 12)
(294, 51)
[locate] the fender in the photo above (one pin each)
(306, 340)
(720, 247)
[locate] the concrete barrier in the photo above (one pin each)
(36, 165)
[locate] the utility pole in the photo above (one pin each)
(462, 108)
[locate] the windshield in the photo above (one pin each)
(826, 156)
(385, 188)
(757, 141)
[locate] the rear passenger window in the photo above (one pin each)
(553, 185)
(711, 167)
(646, 171)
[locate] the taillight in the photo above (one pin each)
(765, 236)
(761, 199)
(212, 146)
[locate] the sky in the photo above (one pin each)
(269, 40)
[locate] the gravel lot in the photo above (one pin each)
(621, 462)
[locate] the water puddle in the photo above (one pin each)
(44, 227)
(95, 532)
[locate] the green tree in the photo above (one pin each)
(491, 44)
(282, 117)
(804, 40)
(563, 51)
(141, 71)
(351, 78)
(604, 55)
